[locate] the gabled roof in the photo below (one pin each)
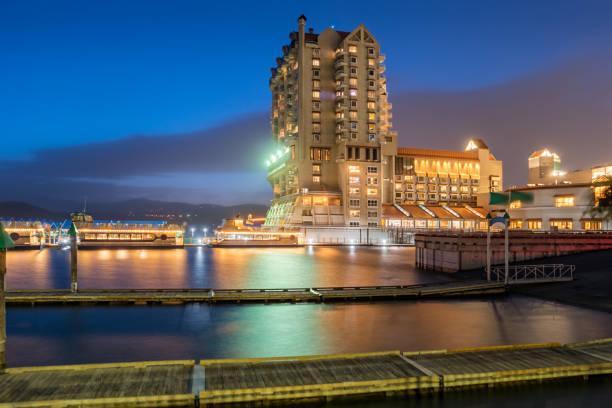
(432, 153)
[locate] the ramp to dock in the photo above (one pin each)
(322, 294)
(288, 379)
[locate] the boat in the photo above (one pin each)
(26, 233)
(126, 234)
(236, 232)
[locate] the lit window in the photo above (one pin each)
(371, 105)
(372, 191)
(371, 95)
(564, 201)
(316, 83)
(353, 82)
(354, 180)
(534, 224)
(354, 213)
(316, 179)
(371, 127)
(371, 116)
(316, 168)
(353, 115)
(515, 204)
(562, 224)
(373, 180)
(354, 169)
(354, 190)
(315, 62)
(353, 92)
(591, 225)
(315, 94)
(371, 62)
(516, 224)
(316, 115)
(316, 52)
(292, 152)
(352, 48)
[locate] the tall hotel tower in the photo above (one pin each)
(331, 130)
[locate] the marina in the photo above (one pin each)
(304, 378)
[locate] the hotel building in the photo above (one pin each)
(336, 162)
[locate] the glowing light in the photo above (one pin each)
(268, 163)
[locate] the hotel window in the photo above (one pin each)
(420, 196)
(316, 127)
(371, 95)
(315, 62)
(353, 104)
(372, 203)
(353, 125)
(315, 94)
(316, 105)
(474, 190)
(316, 137)
(316, 83)
(371, 105)
(475, 181)
(319, 153)
(352, 48)
(354, 190)
(370, 51)
(420, 187)
(292, 152)
(353, 92)
(318, 200)
(372, 214)
(433, 187)
(371, 116)
(357, 153)
(516, 224)
(433, 196)
(353, 71)
(354, 202)
(315, 72)
(372, 191)
(515, 204)
(465, 197)
(353, 115)
(354, 136)
(534, 224)
(454, 189)
(591, 225)
(371, 62)
(354, 169)
(454, 180)
(353, 82)
(371, 73)
(316, 116)
(371, 127)
(443, 188)
(373, 181)
(353, 223)
(316, 179)
(316, 52)
(398, 186)
(372, 170)
(398, 196)
(561, 224)
(354, 213)
(354, 180)
(316, 168)
(421, 179)
(443, 197)
(408, 178)
(454, 197)
(371, 84)
(465, 189)
(564, 201)
(372, 224)
(409, 187)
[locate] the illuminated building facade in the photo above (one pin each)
(334, 146)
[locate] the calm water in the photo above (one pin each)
(198, 267)
(65, 335)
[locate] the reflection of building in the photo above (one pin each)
(336, 162)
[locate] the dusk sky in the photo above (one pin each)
(169, 100)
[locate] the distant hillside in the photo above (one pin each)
(16, 209)
(141, 209)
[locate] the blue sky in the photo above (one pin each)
(76, 73)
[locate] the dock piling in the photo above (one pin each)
(73, 232)
(5, 243)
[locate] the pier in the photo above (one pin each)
(292, 379)
(323, 294)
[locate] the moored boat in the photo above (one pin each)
(236, 232)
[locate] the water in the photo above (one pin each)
(71, 334)
(221, 268)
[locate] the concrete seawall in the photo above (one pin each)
(452, 252)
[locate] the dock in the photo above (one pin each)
(322, 294)
(262, 381)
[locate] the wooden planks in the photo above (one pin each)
(289, 379)
(326, 294)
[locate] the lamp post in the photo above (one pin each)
(192, 231)
(5, 243)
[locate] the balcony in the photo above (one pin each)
(340, 73)
(340, 63)
(382, 69)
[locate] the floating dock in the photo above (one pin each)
(262, 381)
(324, 294)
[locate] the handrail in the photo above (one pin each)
(526, 273)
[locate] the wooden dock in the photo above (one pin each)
(290, 379)
(324, 294)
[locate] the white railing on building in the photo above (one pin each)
(518, 274)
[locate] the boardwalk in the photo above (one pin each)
(262, 381)
(178, 296)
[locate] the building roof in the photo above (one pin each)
(548, 186)
(465, 214)
(415, 211)
(390, 211)
(449, 154)
(543, 152)
(479, 143)
(441, 212)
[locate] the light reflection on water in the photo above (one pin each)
(65, 335)
(199, 267)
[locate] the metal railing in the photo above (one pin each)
(531, 273)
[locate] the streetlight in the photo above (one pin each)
(192, 231)
(205, 231)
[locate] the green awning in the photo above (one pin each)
(6, 241)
